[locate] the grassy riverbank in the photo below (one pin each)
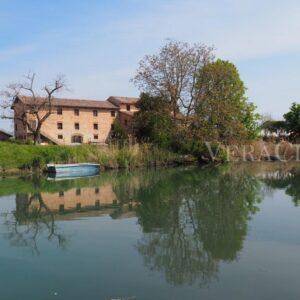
(24, 158)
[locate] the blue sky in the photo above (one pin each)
(97, 44)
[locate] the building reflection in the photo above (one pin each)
(73, 203)
(40, 212)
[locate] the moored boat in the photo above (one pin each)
(73, 170)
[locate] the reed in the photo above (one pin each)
(34, 158)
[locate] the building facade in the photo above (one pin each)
(75, 121)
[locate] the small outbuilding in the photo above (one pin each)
(4, 136)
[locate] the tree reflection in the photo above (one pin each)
(32, 218)
(287, 180)
(194, 219)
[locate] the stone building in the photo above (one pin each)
(75, 121)
(4, 136)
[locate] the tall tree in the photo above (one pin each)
(223, 112)
(37, 109)
(171, 74)
(292, 119)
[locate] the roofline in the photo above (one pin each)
(115, 107)
(116, 98)
(6, 133)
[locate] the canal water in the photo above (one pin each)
(228, 232)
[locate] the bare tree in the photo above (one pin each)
(37, 109)
(172, 73)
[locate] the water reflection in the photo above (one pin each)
(288, 180)
(199, 219)
(31, 218)
(191, 219)
(38, 211)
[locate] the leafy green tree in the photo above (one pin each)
(223, 112)
(292, 119)
(153, 123)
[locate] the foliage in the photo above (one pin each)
(153, 122)
(251, 121)
(292, 119)
(119, 134)
(223, 113)
(171, 74)
(274, 126)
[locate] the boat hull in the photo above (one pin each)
(73, 170)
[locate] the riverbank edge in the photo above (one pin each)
(155, 164)
(16, 159)
(24, 160)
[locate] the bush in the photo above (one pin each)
(206, 151)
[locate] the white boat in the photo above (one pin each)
(73, 170)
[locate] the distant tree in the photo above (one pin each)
(172, 73)
(277, 127)
(223, 112)
(266, 117)
(153, 122)
(292, 119)
(37, 109)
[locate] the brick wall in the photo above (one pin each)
(85, 119)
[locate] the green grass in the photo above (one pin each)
(30, 157)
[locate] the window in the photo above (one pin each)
(61, 194)
(76, 126)
(60, 137)
(96, 137)
(128, 107)
(125, 122)
(78, 192)
(96, 190)
(59, 125)
(59, 111)
(95, 126)
(95, 113)
(76, 112)
(113, 113)
(76, 139)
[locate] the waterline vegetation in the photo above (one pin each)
(18, 157)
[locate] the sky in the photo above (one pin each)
(97, 44)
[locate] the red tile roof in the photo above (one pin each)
(5, 133)
(72, 102)
(117, 100)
